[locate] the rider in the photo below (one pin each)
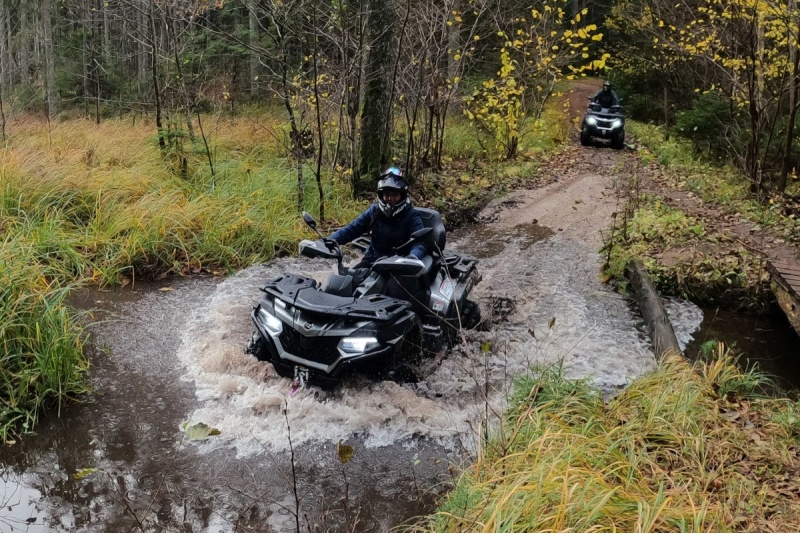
(391, 221)
(606, 97)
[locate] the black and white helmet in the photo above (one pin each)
(606, 85)
(392, 179)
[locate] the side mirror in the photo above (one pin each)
(309, 220)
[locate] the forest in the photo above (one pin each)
(357, 83)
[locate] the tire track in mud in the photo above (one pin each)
(538, 252)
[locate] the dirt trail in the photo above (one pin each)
(580, 198)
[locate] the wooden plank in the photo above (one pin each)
(787, 267)
(792, 282)
(793, 271)
(779, 282)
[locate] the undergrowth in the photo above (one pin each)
(684, 448)
(681, 257)
(715, 184)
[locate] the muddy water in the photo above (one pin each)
(765, 340)
(173, 352)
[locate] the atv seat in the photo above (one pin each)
(436, 240)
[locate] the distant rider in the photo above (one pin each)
(391, 221)
(605, 96)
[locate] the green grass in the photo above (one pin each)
(42, 344)
(716, 184)
(87, 204)
(675, 451)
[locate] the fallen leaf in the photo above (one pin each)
(83, 473)
(731, 416)
(344, 452)
(200, 431)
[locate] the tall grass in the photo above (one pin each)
(681, 449)
(42, 344)
(102, 204)
(82, 203)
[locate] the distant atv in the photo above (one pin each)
(605, 124)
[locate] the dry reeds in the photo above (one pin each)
(681, 449)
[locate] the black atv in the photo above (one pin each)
(379, 320)
(603, 123)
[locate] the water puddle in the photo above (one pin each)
(119, 461)
(767, 340)
(485, 241)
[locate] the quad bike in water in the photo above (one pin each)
(603, 123)
(317, 333)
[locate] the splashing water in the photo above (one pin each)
(562, 315)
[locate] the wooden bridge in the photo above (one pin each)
(786, 287)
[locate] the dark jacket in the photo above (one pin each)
(386, 234)
(606, 98)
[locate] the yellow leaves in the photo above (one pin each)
(456, 57)
(477, 38)
(597, 37)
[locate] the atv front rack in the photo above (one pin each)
(302, 293)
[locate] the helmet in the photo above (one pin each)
(606, 85)
(392, 179)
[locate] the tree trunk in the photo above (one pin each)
(5, 39)
(794, 97)
(106, 51)
(655, 316)
(49, 58)
(141, 55)
(24, 50)
(375, 142)
(154, 69)
(254, 40)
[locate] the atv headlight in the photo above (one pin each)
(353, 345)
(272, 324)
(616, 124)
(591, 121)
